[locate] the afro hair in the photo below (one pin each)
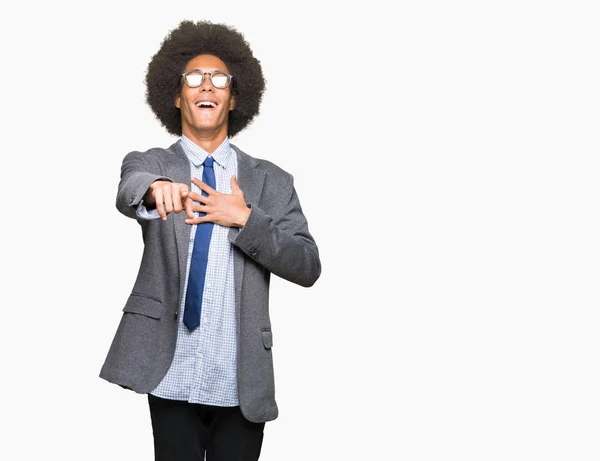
(184, 43)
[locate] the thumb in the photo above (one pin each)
(188, 206)
(184, 190)
(235, 187)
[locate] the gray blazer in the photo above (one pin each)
(274, 240)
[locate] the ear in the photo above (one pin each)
(178, 100)
(232, 102)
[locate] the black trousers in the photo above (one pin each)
(185, 431)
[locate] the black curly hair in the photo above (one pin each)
(188, 40)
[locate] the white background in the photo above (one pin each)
(446, 156)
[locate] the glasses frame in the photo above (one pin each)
(211, 78)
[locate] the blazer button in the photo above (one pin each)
(176, 313)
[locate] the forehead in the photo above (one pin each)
(206, 62)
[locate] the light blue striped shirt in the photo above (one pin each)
(204, 368)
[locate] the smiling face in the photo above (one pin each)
(205, 109)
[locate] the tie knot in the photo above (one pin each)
(208, 162)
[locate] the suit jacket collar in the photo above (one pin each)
(250, 177)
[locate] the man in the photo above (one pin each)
(195, 334)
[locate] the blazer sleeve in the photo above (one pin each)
(280, 240)
(138, 171)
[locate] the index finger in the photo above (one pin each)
(203, 186)
(180, 194)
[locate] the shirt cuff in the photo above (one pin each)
(143, 213)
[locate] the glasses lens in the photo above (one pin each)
(194, 79)
(220, 80)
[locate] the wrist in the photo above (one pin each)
(244, 216)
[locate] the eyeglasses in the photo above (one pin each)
(195, 77)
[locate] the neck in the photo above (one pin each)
(208, 141)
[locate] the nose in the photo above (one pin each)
(206, 83)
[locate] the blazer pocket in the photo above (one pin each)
(140, 304)
(267, 337)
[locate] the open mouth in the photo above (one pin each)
(206, 104)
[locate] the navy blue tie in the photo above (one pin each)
(193, 297)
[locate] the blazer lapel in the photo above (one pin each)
(251, 180)
(250, 177)
(181, 172)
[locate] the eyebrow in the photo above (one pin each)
(208, 72)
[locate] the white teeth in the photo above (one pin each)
(206, 104)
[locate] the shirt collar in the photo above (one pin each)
(197, 155)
